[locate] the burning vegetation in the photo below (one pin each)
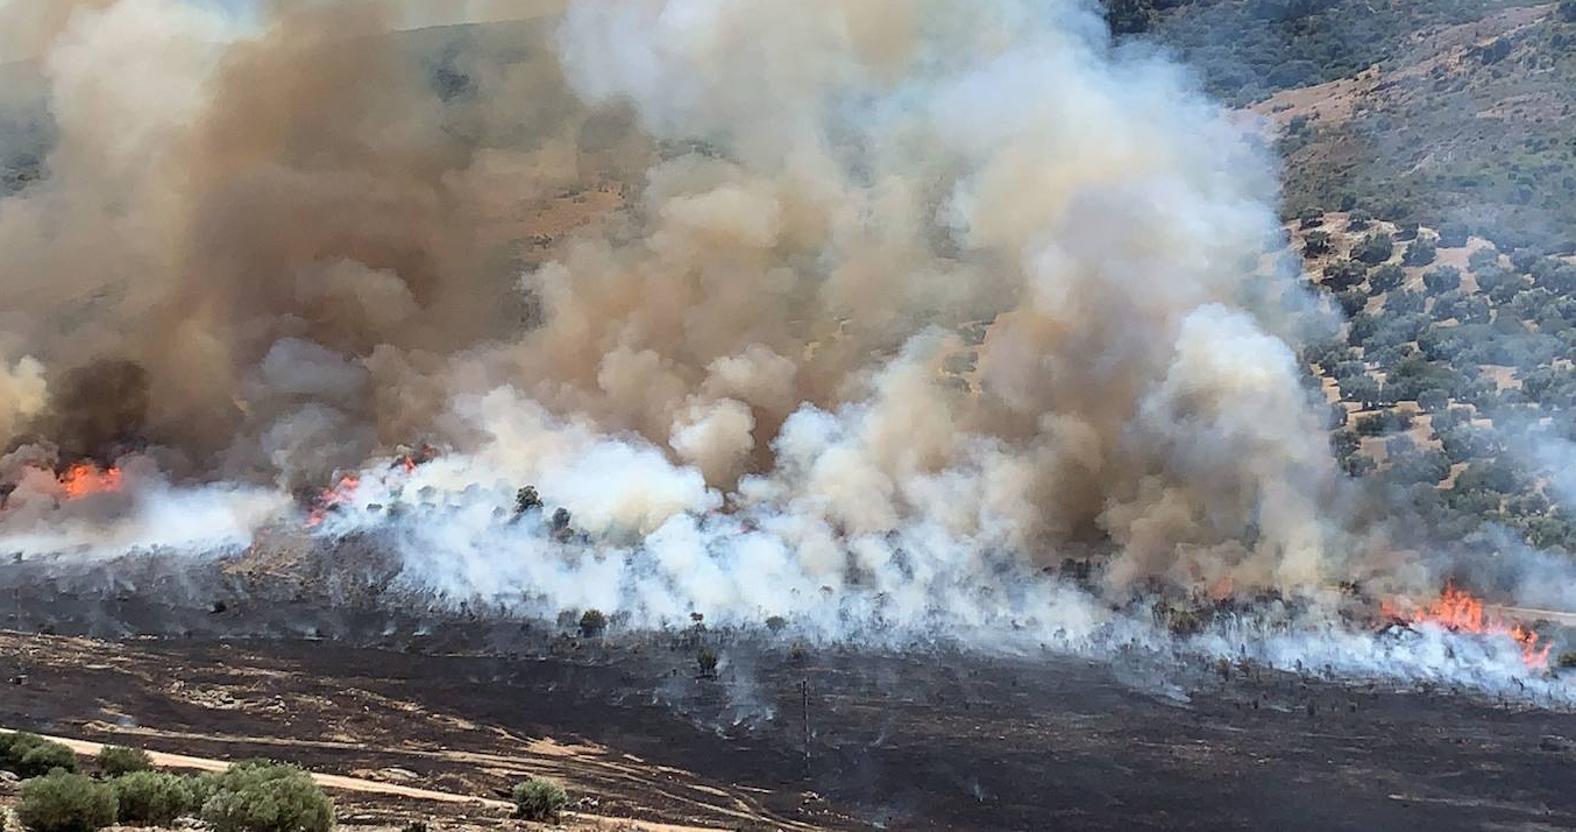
(85, 478)
(1459, 611)
(858, 339)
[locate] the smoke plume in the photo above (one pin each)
(858, 313)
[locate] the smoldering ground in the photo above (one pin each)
(309, 240)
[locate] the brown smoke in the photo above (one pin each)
(212, 196)
(883, 271)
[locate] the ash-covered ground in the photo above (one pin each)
(239, 661)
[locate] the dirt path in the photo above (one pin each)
(362, 786)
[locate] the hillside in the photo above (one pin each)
(1450, 385)
(1428, 112)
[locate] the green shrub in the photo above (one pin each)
(62, 802)
(263, 796)
(706, 659)
(30, 755)
(151, 798)
(115, 760)
(592, 623)
(539, 799)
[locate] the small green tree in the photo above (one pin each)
(115, 760)
(152, 798)
(63, 802)
(539, 799)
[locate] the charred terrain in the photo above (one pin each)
(925, 740)
(783, 734)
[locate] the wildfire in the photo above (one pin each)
(1460, 611)
(341, 493)
(410, 460)
(85, 478)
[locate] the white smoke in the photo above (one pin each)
(747, 391)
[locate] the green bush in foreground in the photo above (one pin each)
(539, 799)
(63, 802)
(263, 796)
(115, 760)
(151, 798)
(30, 755)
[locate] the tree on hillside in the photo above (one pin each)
(1315, 244)
(1442, 279)
(1421, 252)
(1344, 274)
(1386, 277)
(1374, 248)
(1453, 234)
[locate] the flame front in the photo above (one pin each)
(341, 493)
(85, 478)
(1460, 611)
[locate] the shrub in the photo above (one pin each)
(706, 659)
(30, 755)
(62, 802)
(151, 798)
(592, 623)
(115, 760)
(263, 796)
(539, 799)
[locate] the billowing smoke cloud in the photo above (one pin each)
(872, 311)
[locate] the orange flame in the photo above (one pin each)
(411, 460)
(1461, 612)
(85, 478)
(341, 493)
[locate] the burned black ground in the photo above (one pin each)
(929, 738)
